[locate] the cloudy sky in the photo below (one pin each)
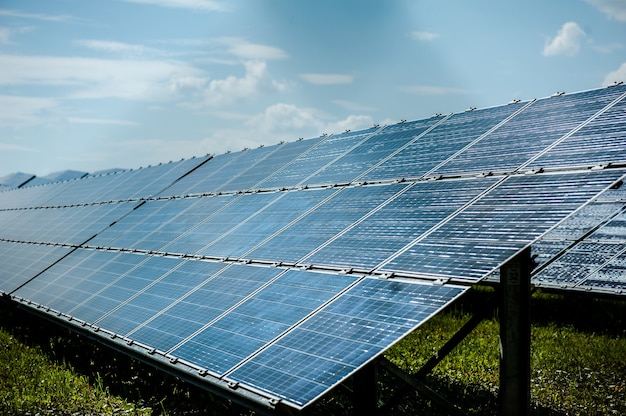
(92, 85)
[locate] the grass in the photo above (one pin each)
(578, 366)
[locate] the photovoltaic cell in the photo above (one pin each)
(278, 159)
(499, 224)
(322, 224)
(603, 140)
(447, 138)
(376, 148)
(220, 222)
(77, 277)
(529, 132)
(398, 223)
(21, 262)
(344, 335)
(610, 277)
(269, 313)
(309, 163)
(201, 306)
(265, 222)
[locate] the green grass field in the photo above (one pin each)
(578, 367)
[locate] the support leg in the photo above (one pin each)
(514, 396)
(365, 391)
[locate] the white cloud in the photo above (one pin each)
(35, 16)
(352, 106)
(424, 36)
(431, 90)
(566, 41)
(252, 51)
(618, 75)
(233, 89)
(327, 79)
(98, 78)
(615, 9)
(283, 117)
(117, 47)
(352, 122)
(6, 33)
(206, 5)
(18, 110)
(80, 120)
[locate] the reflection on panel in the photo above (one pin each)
(398, 223)
(529, 132)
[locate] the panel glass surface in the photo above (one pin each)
(77, 277)
(609, 278)
(333, 343)
(267, 221)
(261, 318)
(201, 306)
(126, 283)
(577, 264)
(501, 223)
(178, 279)
(439, 144)
(21, 262)
(305, 166)
(603, 140)
(322, 224)
(398, 223)
(238, 210)
(359, 160)
(529, 132)
(281, 157)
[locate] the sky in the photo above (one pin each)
(102, 84)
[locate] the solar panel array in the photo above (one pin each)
(278, 272)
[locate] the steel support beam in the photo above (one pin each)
(514, 395)
(365, 391)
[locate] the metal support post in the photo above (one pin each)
(514, 396)
(365, 391)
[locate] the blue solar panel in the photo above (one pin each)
(267, 314)
(334, 342)
(265, 222)
(254, 175)
(323, 223)
(531, 131)
(498, 225)
(426, 153)
(611, 277)
(603, 140)
(238, 210)
(68, 225)
(398, 223)
(178, 278)
(77, 277)
(362, 158)
(309, 163)
(21, 262)
(201, 306)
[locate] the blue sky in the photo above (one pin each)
(93, 85)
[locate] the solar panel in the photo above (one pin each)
(499, 224)
(600, 141)
(21, 262)
(283, 270)
(529, 132)
(367, 154)
(398, 223)
(330, 149)
(319, 226)
(425, 153)
(334, 342)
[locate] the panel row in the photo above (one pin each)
(582, 129)
(293, 334)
